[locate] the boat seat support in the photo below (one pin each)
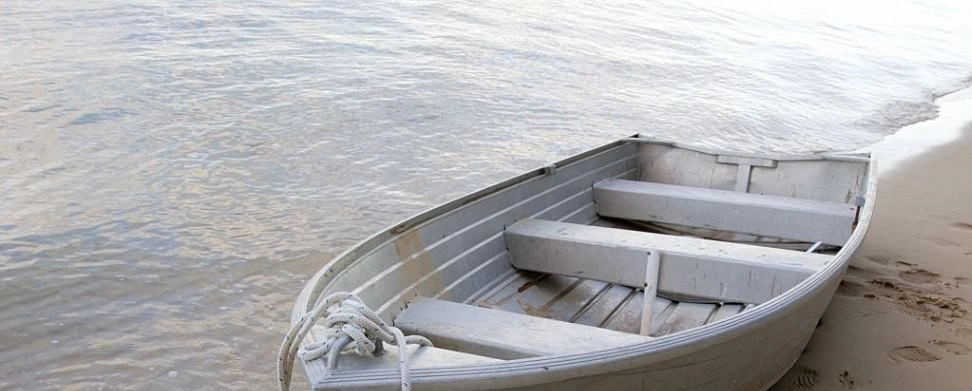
(653, 260)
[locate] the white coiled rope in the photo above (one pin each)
(351, 326)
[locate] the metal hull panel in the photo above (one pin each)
(456, 252)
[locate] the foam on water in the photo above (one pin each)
(170, 173)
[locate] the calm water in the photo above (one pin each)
(171, 173)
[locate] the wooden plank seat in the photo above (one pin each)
(757, 214)
(501, 334)
(419, 357)
(689, 268)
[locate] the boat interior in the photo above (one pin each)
(636, 241)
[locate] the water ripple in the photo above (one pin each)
(172, 172)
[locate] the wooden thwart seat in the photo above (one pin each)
(690, 268)
(757, 214)
(501, 334)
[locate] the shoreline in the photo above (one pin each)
(923, 137)
(900, 318)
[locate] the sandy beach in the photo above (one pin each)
(900, 319)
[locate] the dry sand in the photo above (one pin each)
(900, 319)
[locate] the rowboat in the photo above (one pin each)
(642, 264)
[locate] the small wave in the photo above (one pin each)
(897, 114)
(959, 85)
(103, 115)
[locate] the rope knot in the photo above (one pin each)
(351, 327)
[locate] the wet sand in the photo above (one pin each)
(900, 319)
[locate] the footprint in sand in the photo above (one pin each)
(952, 347)
(942, 242)
(878, 259)
(801, 378)
(865, 271)
(846, 381)
(919, 276)
(963, 226)
(913, 354)
(965, 333)
(851, 288)
(919, 292)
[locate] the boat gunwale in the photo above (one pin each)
(531, 371)
(855, 157)
(378, 239)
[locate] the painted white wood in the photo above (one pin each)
(690, 267)
(504, 335)
(651, 289)
(766, 215)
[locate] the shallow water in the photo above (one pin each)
(171, 173)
